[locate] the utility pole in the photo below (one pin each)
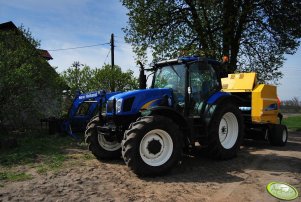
(112, 50)
(112, 85)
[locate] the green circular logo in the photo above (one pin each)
(282, 191)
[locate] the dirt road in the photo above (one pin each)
(196, 179)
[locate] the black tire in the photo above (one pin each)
(135, 144)
(92, 138)
(96, 118)
(278, 135)
(217, 146)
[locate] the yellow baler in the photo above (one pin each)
(265, 104)
(264, 100)
(262, 117)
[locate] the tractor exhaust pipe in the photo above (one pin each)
(142, 77)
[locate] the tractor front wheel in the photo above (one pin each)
(101, 146)
(152, 145)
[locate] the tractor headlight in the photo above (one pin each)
(118, 105)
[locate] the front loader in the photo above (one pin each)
(83, 108)
(189, 102)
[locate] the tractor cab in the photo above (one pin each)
(192, 80)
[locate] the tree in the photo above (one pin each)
(79, 78)
(113, 79)
(105, 78)
(29, 87)
(293, 105)
(254, 34)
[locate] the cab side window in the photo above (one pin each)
(83, 109)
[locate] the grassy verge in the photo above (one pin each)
(14, 176)
(293, 123)
(38, 151)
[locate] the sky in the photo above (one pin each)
(61, 24)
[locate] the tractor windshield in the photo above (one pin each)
(172, 76)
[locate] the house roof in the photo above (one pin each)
(45, 54)
(7, 26)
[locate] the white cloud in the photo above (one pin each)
(94, 57)
(124, 57)
(290, 83)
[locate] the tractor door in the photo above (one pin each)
(202, 83)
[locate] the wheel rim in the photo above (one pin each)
(108, 145)
(284, 135)
(156, 147)
(228, 130)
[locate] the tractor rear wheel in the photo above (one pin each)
(102, 147)
(278, 135)
(152, 145)
(226, 132)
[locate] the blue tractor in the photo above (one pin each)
(184, 107)
(83, 108)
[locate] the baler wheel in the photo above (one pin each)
(278, 135)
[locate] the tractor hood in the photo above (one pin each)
(132, 102)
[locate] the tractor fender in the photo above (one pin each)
(217, 97)
(215, 101)
(170, 113)
(208, 112)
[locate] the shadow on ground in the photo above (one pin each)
(254, 156)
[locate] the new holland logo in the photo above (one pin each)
(282, 191)
(271, 107)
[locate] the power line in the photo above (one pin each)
(107, 56)
(62, 49)
(284, 67)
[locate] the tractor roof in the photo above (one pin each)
(185, 59)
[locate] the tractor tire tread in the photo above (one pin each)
(215, 150)
(131, 143)
(91, 138)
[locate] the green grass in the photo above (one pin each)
(293, 123)
(14, 176)
(33, 148)
(37, 150)
(53, 163)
